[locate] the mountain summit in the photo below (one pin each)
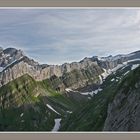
(13, 64)
(37, 96)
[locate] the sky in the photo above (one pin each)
(56, 36)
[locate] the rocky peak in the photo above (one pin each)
(13, 64)
(9, 55)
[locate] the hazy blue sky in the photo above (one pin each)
(55, 36)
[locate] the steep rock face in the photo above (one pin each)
(13, 64)
(124, 111)
(77, 78)
(66, 73)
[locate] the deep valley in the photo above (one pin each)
(95, 94)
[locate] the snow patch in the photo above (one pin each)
(21, 114)
(69, 111)
(92, 92)
(117, 67)
(52, 109)
(101, 80)
(10, 58)
(126, 62)
(97, 90)
(7, 55)
(124, 67)
(69, 90)
(112, 80)
(86, 93)
(131, 54)
(126, 72)
(101, 59)
(57, 124)
(132, 60)
(134, 66)
(106, 73)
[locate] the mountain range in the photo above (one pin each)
(94, 94)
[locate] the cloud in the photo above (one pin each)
(65, 35)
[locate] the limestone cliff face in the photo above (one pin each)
(124, 111)
(65, 72)
(13, 64)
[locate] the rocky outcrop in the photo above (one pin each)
(77, 78)
(124, 111)
(13, 64)
(68, 74)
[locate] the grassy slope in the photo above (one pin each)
(25, 95)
